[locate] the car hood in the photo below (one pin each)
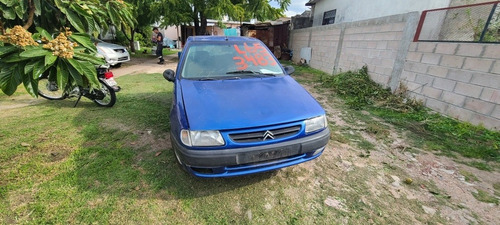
(109, 45)
(245, 103)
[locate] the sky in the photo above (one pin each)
(297, 7)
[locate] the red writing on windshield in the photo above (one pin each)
(256, 55)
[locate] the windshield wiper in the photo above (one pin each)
(251, 72)
(206, 78)
(243, 71)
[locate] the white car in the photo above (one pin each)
(114, 54)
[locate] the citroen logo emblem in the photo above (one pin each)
(267, 135)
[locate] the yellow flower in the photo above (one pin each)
(18, 36)
(61, 46)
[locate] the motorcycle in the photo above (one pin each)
(104, 96)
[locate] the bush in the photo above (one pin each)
(121, 39)
(356, 87)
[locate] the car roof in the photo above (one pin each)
(219, 38)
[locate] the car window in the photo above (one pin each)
(229, 60)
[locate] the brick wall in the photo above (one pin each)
(461, 80)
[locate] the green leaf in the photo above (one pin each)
(9, 79)
(113, 15)
(4, 50)
(75, 64)
(30, 65)
(84, 40)
(8, 13)
(38, 7)
(50, 59)
(75, 20)
(44, 33)
(62, 74)
(38, 69)
(77, 77)
(78, 9)
(8, 3)
(86, 57)
(90, 73)
(35, 52)
(31, 85)
(19, 9)
(14, 58)
(52, 74)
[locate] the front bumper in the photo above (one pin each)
(241, 161)
(114, 59)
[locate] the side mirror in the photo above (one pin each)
(289, 69)
(169, 75)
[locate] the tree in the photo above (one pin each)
(67, 58)
(145, 16)
(176, 12)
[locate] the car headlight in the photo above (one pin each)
(201, 138)
(316, 123)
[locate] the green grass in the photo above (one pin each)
(484, 196)
(469, 177)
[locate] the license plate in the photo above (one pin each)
(270, 154)
(111, 82)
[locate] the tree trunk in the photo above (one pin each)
(132, 33)
(196, 22)
(203, 27)
(2, 31)
(31, 15)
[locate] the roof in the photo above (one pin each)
(312, 2)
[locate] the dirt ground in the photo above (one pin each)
(451, 194)
(445, 187)
(145, 65)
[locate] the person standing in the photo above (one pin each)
(159, 45)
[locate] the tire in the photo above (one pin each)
(49, 90)
(109, 95)
(118, 65)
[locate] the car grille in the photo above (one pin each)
(265, 135)
(123, 58)
(119, 50)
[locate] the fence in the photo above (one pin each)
(477, 23)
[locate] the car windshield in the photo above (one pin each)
(229, 60)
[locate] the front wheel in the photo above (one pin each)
(49, 89)
(109, 95)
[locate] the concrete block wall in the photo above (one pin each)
(375, 44)
(324, 43)
(461, 80)
(378, 43)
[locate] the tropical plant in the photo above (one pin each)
(175, 12)
(68, 58)
(145, 17)
(54, 50)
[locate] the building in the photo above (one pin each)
(326, 12)
(274, 34)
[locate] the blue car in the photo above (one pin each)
(236, 110)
